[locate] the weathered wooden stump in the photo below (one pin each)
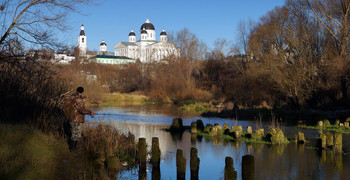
(258, 135)
(208, 128)
(321, 141)
(194, 164)
(217, 130)
(329, 140)
(236, 132)
(200, 125)
(248, 167)
(180, 165)
(300, 139)
(320, 124)
(326, 123)
(226, 129)
(142, 156)
(338, 142)
(230, 173)
(276, 136)
(177, 125)
(155, 152)
(249, 132)
(337, 122)
(347, 119)
(194, 128)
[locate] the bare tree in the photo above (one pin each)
(190, 47)
(334, 16)
(35, 20)
(244, 30)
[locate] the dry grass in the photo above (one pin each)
(105, 140)
(27, 153)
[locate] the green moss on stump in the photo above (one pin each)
(177, 125)
(217, 130)
(194, 128)
(326, 123)
(276, 136)
(320, 124)
(329, 140)
(321, 141)
(338, 142)
(300, 139)
(208, 128)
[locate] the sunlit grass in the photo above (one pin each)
(30, 154)
(197, 107)
(114, 99)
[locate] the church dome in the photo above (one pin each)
(103, 43)
(147, 25)
(163, 33)
(132, 33)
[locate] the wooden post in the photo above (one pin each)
(142, 156)
(248, 167)
(230, 173)
(338, 142)
(194, 164)
(300, 138)
(329, 140)
(194, 128)
(321, 141)
(249, 132)
(155, 152)
(180, 165)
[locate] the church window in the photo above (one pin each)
(82, 40)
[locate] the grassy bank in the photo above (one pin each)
(30, 154)
(113, 99)
(27, 153)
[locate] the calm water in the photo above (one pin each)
(271, 161)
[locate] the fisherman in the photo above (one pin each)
(77, 117)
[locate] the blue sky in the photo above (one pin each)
(209, 20)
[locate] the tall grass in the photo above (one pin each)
(105, 140)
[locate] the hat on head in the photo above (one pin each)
(80, 89)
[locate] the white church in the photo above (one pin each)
(147, 48)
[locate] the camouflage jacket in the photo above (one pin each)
(79, 112)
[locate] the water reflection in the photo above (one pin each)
(290, 161)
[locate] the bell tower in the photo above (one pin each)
(82, 42)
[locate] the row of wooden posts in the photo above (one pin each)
(248, 163)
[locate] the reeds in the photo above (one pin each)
(106, 140)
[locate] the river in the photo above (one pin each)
(290, 161)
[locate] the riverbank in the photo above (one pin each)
(115, 99)
(27, 153)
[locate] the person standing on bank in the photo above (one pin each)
(77, 117)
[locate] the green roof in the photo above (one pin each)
(112, 57)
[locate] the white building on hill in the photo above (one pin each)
(147, 48)
(82, 41)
